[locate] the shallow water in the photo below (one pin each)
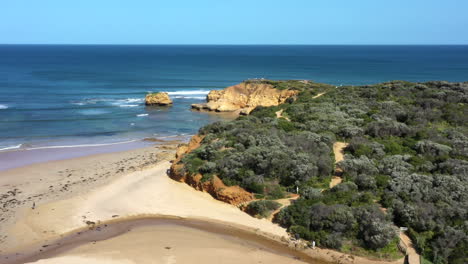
(67, 95)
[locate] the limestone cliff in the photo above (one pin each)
(230, 194)
(244, 97)
(158, 99)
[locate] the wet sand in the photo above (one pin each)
(162, 240)
(16, 158)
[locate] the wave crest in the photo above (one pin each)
(11, 147)
(191, 97)
(189, 92)
(108, 101)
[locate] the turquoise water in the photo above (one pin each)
(67, 95)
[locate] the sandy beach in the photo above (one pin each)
(45, 204)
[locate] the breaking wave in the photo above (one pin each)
(11, 147)
(189, 92)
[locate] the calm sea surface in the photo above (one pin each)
(68, 95)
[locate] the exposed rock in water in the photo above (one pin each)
(230, 194)
(158, 99)
(244, 97)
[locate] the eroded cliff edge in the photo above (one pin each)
(230, 194)
(244, 97)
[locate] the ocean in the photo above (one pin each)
(66, 95)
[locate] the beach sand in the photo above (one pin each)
(169, 241)
(48, 202)
(23, 188)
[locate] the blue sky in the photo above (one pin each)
(234, 22)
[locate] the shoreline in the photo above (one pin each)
(142, 192)
(21, 157)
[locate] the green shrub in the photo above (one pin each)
(286, 125)
(192, 163)
(262, 208)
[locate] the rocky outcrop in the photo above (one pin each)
(244, 97)
(158, 99)
(230, 194)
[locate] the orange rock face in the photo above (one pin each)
(230, 194)
(244, 97)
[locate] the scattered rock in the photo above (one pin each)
(158, 99)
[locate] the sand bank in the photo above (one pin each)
(158, 240)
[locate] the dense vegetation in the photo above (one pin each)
(262, 208)
(408, 153)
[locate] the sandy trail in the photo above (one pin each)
(279, 114)
(318, 95)
(413, 256)
(338, 150)
(284, 203)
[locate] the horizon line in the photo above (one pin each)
(110, 44)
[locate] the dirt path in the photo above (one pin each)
(413, 256)
(318, 95)
(284, 203)
(279, 114)
(338, 150)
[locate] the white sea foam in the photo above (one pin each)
(188, 92)
(85, 145)
(133, 100)
(11, 147)
(117, 102)
(93, 112)
(129, 102)
(141, 115)
(2, 106)
(190, 97)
